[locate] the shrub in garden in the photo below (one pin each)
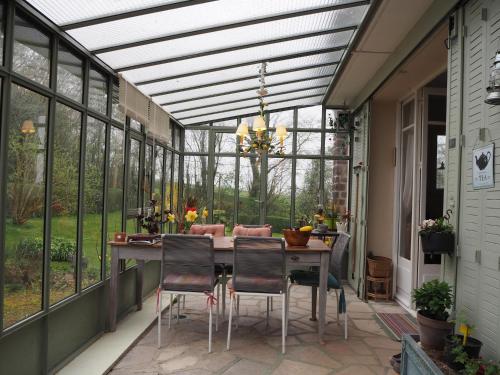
(32, 248)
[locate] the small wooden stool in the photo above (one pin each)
(374, 284)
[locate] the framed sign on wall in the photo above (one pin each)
(483, 162)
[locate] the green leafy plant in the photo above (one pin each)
(433, 299)
(473, 366)
(32, 248)
(441, 224)
(61, 249)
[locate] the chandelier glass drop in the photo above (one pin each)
(259, 140)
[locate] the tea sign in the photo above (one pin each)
(483, 161)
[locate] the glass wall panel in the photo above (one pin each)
(65, 176)
(196, 141)
(308, 143)
(284, 117)
(195, 181)
(309, 117)
(69, 74)
(224, 180)
(336, 187)
(148, 171)
(98, 92)
(226, 123)
(279, 190)
(135, 125)
(158, 177)
(1, 34)
(249, 199)
(25, 205)
(31, 56)
(117, 112)
(93, 201)
(307, 193)
(225, 143)
(176, 206)
(168, 180)
(115, 187)
(133, 184)
(337, 144)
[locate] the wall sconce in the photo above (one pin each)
(28, 127)
(493, 88)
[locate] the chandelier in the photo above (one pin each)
(259, 140)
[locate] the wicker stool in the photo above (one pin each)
(374, 286)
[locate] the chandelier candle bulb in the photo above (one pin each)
(242, 131)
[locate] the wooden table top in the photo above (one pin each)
(226, 244)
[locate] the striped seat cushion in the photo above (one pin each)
(188, 283)
(258, 284)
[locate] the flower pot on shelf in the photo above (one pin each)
(438, 242)
(433, 332)
(472, 348)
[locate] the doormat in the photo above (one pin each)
(398, 324)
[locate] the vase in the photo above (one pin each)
(341, 227)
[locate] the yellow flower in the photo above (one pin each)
(204, 214)
(171, 218)
(191, 216)
(307, 228)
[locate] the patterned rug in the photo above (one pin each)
(398, 324)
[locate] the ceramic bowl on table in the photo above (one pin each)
(295, 237)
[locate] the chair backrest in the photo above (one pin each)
(216, 230)
(339, 255)
(261, 259)
(252, 230)
(188, 255)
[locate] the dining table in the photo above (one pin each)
(315, 253)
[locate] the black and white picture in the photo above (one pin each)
(483, 161)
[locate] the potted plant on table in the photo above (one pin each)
(151, 220)
(432, 300)
(437, 235)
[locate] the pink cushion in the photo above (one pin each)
(240, 230)
(216, 230)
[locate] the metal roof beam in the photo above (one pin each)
(237, 48)
(132, 13)
(247, 89)
(248, 98)
(251, 106)
(233, 25)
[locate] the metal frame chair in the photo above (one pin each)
(259, 269)
(187, 267)
(338, 255)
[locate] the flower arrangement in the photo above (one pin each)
(152, 220)
(190, 218)
(204, 215)
(439, 225)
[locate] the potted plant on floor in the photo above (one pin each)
(432, 300)
(437, 236)
(460, 347)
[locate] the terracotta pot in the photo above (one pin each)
(433, 332)
(296, 238)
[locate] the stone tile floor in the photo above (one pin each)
(256, 349)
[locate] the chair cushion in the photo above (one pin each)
(311, 278)
(258, 284)
(188, 283)
(240, 230)
(216, 230)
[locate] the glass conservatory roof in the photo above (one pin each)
(199, 59)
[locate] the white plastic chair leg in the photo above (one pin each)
(228, 345)
(170, 310)
(159, 320)
(283, 323)
(217, 311)
(224, 282)
(210, 329)
(288, 296)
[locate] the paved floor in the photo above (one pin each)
(257, 349)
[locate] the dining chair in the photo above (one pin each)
(187, 267)
(259, 269)
(338, 255)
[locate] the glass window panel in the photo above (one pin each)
(31, 56)
(195, 182)
(65, 176)
(177, 138)
(2, 37)
(287, 142)
(69, 74)
(98, 92)
(307, 194)
(437, 108)
(249, 199)
(135, 125)
(168, 180)
(206, 15)
(115, 187)
(243, 72)
(93, 198)
(309, 117)
(408, 113)
(148, 174)
(224, 180)
(407, 165)
(226, 123)
(440, 161)
(225, 142)
(117, 112)
(309, 143)
(158, 177)
(196, 140)
(279, 188)
(25, 205)
(175, 190)
(337, 144)
(133, 184)
(336, 188)
(282, 117)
